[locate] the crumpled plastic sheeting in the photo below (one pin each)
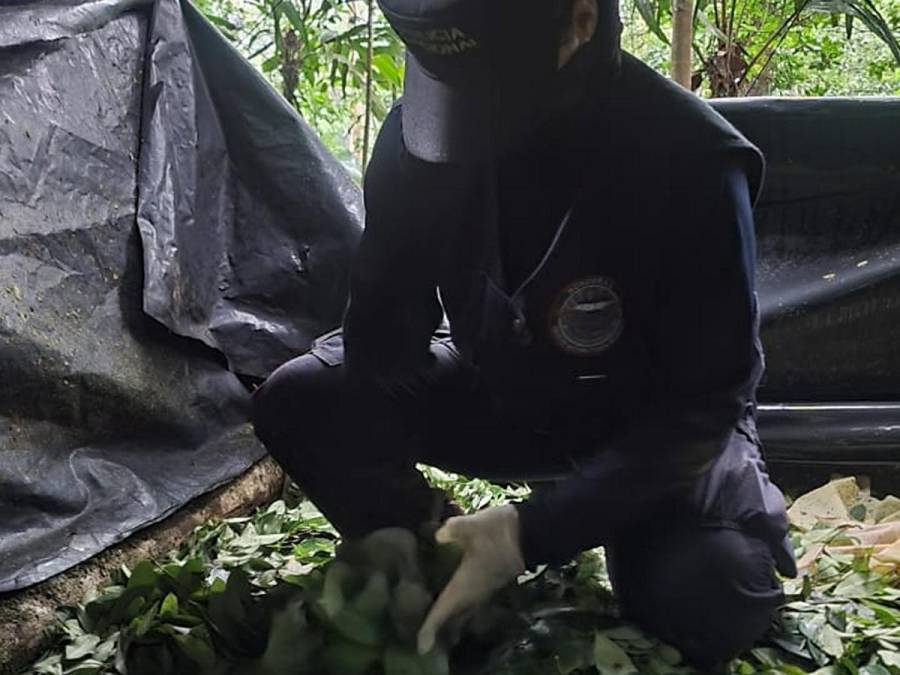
(108, 422)
(828, 232)
(248, 223)
(45, 23)
(112, 113)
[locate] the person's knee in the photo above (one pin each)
(713, 598)
(291, 402)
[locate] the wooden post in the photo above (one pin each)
(370, 51)
(682, 41)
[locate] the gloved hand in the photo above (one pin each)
(491, 558)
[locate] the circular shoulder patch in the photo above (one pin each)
(586, 317)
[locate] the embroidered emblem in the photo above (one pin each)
(586, 318)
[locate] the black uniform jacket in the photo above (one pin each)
(599, 281)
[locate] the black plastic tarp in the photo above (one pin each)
(144, 165)
(247, 239)
(828, 233)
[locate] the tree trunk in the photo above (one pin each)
(682, 41)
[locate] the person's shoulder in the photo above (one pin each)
(654, 120)
(665, 111)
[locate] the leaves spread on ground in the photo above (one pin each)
(273, 593)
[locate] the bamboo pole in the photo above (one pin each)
(370, 51)
(682, 40)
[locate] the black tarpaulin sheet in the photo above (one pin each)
(828, 233)
(118, 191)
(247, 240)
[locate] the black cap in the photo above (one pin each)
(477, 72)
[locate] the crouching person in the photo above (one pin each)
(585, 226)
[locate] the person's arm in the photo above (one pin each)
(393, 309)
(707, 363)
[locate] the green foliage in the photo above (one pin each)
(473, 494)
(819, 61)
(234, 600)
(841, 618)
(271, 594)
(316, 53)
(808, 47)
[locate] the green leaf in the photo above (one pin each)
(82, 646)
(874, 669)
(86, 667)
(741, 667)
(890, 658)
(609, 658)
(837, 617)
(107, 649)
(646, 9)
(314, 548)
(49, 665)
(343, 657)
(143, 623)
(385, 66)
(357, 627)
(169, 606)
(291, 643)
(337, 576)
(196, 649)
(859, 585)
(868, 13)
(293, 16)
(792, 644)
(131, 609)
(71, 628)
(887, 616)
(220, 21)
(830, 642)
(190, 576)
(768, 657)
(822, 636)
(572, 654)
(229, 610)
(144, 574)
(373, 600)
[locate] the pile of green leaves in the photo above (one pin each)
(842, 618)
(274, 593)
(174, 602)
(252, 600)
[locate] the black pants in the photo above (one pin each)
(710, 591)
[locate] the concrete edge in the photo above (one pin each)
(25, 615)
